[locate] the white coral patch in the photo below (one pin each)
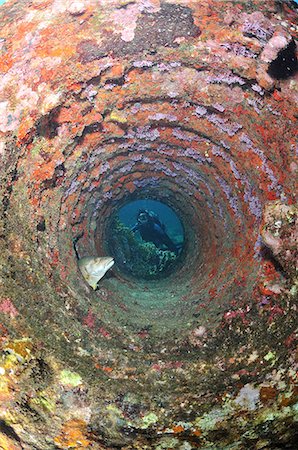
(76, 8)
(51, 101)
(8, 121)
(126, 21)
(2, 148)
(27, 97)
(248, 397)
(273, 47)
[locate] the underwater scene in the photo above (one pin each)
(148, 224)
(146, 239)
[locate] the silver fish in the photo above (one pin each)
(93, 268)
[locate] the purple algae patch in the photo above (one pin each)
(255, 27)
(226, 78)
(238, 50)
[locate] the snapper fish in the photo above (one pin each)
(93, 268)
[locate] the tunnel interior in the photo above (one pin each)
(186, 110)
(216, 218)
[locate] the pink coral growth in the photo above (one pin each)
(7, 307)
(89, 320)
(238, 313)
(104, 333)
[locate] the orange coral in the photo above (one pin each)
(178, 429)
(73, 435)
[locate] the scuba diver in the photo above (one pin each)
(152, 230)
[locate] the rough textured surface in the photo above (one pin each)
(106, 101)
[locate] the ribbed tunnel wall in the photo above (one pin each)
(185, 102)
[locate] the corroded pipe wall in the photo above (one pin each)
(193, 103)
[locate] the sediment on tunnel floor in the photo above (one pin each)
(191, 118)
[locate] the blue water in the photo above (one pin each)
(141, 254)
(128, 216)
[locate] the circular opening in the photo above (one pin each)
(146, 239)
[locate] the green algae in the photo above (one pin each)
(210, 420)
(270, 356)
(37, 145)
(44, 402)
(294, 289)
(167, 443)
(70, 378)
(149, 420)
